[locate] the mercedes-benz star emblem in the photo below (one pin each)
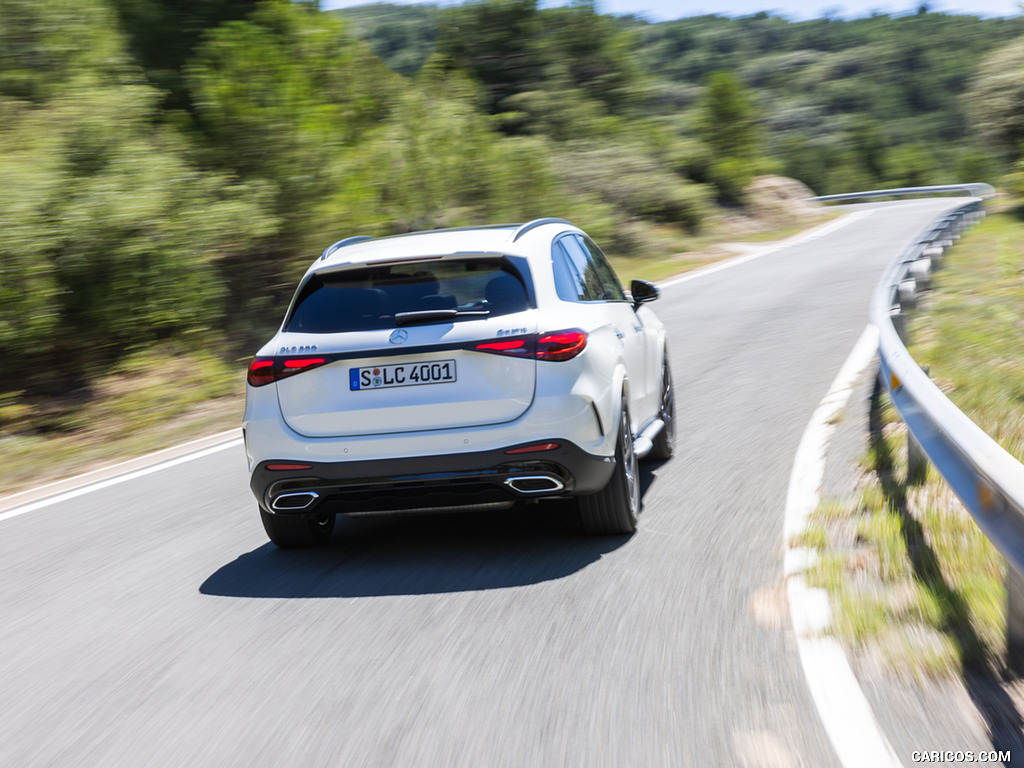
(399, 336)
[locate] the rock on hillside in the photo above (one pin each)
(781, 199)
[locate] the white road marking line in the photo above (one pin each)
(145, 459)
(842, 707)
(803, 237)
(100, 485)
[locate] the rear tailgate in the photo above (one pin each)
(427, 380)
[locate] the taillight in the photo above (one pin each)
(521, 346)
(555, 347)
(296, 365)
(267, 370)
(261, 371)
(562, 345)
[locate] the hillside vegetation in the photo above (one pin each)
(170, 168)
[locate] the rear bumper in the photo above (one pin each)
(462, 481)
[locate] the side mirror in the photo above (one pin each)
(643, 292)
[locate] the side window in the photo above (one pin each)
(582, 273)
(569, 281)
(588, 270)
(611, 287)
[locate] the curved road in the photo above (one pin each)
(149, 623)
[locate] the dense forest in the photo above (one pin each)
(170, 167)
(839, 105)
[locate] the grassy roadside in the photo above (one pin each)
(150, 401)
(166, 396)
(915, 587)
(969, 329)
(913, 582)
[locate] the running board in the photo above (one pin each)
(644, 442)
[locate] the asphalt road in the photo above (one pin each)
(149, 623)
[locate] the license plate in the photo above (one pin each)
(401, 375)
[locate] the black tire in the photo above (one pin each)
(613, 510)
(296, 531)
(665, 441)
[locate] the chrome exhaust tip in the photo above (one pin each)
(294, 502)
(534, 484)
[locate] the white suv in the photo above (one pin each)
(457, 369)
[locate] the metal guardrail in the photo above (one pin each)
(974, 190)
(987, 479)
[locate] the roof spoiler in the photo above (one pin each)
(342, 243)
(524, 228)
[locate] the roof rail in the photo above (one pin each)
(524, 228)
(342, 243)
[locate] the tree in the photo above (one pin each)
(112, 237)
(46, 46)
(727, 122)
(282, 100)
(511, 47)
(995, 100)
(163, 34)
(591, 52)
(726, 118)
(497, 42)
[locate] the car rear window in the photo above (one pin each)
(386, 296)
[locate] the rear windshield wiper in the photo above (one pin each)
(427, 315)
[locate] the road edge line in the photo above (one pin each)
(806, 236)
(842, 707)
(45, 495)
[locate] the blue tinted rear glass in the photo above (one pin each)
(369, 298)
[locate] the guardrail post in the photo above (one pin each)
(934, 255)
(1014, 620)
(908, 293)
(899, 322)
(921, 272)
(917, 460)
